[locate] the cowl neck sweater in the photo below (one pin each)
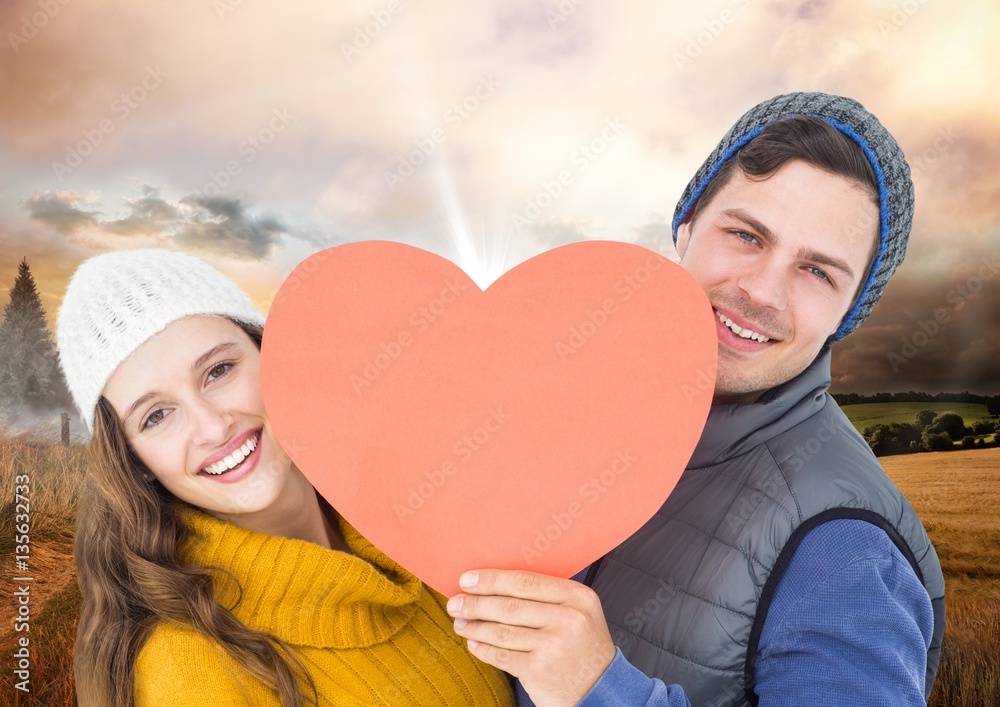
(301, 592)
(367, 631)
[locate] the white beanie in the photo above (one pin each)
(116, 301)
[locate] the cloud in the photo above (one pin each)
(656, 235)
(557, 231)
(220, 224)
(929, 334)
(149, 214)
(811, 9)
(58, 210)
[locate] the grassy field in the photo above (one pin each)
(957, 495)
(886, 413)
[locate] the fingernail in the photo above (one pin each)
(460, 624)
(455, 604)
(469, 579)
(473, 645)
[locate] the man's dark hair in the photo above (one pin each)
(802, 137)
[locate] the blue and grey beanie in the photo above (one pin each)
(895, 188)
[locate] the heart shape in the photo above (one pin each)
(535, 425)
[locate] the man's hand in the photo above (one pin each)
(548, 632)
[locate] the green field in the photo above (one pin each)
(886, 413)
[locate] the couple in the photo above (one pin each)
(784, 569)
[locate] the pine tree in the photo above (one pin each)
(29, 373)
(8, 391)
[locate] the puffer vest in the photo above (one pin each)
(686, 596)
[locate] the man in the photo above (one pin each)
(785, 568)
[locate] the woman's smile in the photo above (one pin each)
(238, 464)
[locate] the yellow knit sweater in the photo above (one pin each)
(368, 631)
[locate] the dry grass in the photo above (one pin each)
(957, 495)
(55, 482)
(53, 632)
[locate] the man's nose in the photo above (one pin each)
(765, 283)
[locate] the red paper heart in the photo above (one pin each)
(532, 426)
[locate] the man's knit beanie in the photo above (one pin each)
(116, 301)
(895, 188)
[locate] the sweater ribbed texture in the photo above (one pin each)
(368, 631)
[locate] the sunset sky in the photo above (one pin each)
(254, 134)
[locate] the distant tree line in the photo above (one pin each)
(914, 397)
(930, 432)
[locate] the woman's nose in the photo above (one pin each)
(212, 423)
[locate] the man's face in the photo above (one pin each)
(783, 258)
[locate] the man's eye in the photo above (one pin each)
(744, 236)
(820, 274)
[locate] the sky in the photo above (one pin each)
(254, 134)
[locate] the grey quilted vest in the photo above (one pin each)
(687, 595)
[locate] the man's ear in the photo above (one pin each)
(683, 236)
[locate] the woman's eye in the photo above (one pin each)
(219, 371)
(154, 418)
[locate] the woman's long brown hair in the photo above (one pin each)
(131, 577)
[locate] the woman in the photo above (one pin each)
(211, 571)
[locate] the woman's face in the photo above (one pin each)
(189, 399)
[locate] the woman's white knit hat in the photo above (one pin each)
(116, 301)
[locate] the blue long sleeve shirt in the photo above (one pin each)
(850, 622)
